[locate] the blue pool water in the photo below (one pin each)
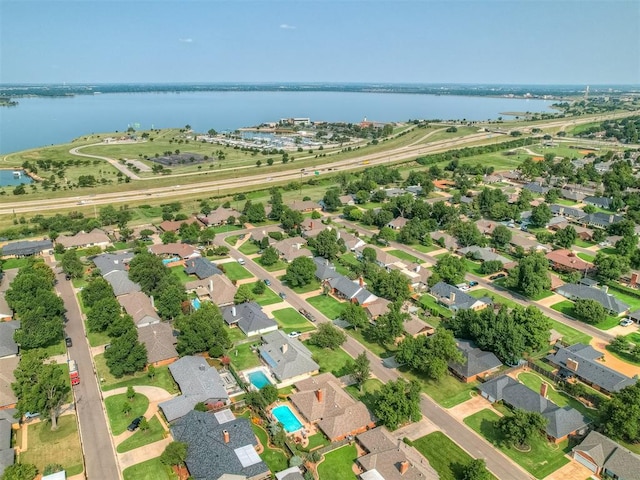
(286, 417)
(258, 379)
(195, 303)
(170, 260)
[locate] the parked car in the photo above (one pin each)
(282, 295)
(31, 415)
(68, 342)
(67, 277)
(473, 283)
(293, 334)
(496, 277)
(267, 282)
(134, 424)
(241, 261)
(307, 315)
(626, 322)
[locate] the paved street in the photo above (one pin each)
(99, 455)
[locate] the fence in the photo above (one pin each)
(560, 382)
(334, 446)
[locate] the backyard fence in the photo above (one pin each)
(559, 382)
(334, 446)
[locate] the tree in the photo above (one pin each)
(102, 314)
(71, 264)
(389, 326)
(255, 212)
(331, 200)
(300, 272)
(327, 336)
(369, 254)
(589, 310)
(393, 285)
(430, 354)
(326, 244)
(269, 257)
(521, 427)
(620, 415)
(39, 386)
(619, 344)
(290, 219)
(174, 454)
(355, 315)
(20, 471)
(468, 234)
(541, 215)
(476, 469)
(97, 289)
(52, 468)
(126, 355)
(531, 276)
(131, 393)
(259, 288)
(361, 369)
(451, 269)
(611, 267)
(169, 297)
(501, 236)
(169, 237)
(207, 236)
(397, 403)
(243, 294)
(491, 266)
(565, 237)
(201, 330)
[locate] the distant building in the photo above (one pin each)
(606, 458)
(95, 238)
(26, 248)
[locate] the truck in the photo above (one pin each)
(73, 372)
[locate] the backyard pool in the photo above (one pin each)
(167, 261)
(286, 417)
(195, 303)
(258, 379)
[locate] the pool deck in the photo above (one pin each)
(300, 436)
(264, 370)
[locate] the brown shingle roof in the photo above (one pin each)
(82, 239)
(180, 249)
(159, 340)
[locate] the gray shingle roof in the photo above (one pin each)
(477, 361)
(26, 248)
(601, 219)
(566, 211)
(444, 293)
(201, 267)
(248, 316)
(108, 262)
(608, 301)
(198, 383)
(7, 346)
(324, 268)
(208, 456)
(119, 281)
(159, 340)
(588, 368)
(484, 254)
(345, 286)
(286, 357)
(602, 202)
(608, 454)
(536, 188)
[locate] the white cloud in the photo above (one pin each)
(284, 26)
(186, 40)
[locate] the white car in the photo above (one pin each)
(626, 322)
(293, 334)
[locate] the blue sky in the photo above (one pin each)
(480, 41)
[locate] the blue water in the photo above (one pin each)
(195, 303)
(166, 261)
(8, 179)
(286, 417)
(258, 379)
(40, 121)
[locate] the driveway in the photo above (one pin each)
(571, 471)
(465, 409)
(613, 362)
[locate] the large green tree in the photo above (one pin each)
(589, 310)
(327, 336)
(518, 429)
(71, 264)
(97, 289)
(620, 415)
(450, 269)
(355, 315)
(430, 354)
(300, 272)
(269, 257)
(20, 471)
(326, 244)
(361, 369)
(175, 453)
(103, 313)
(611, 267)
(501, 236)
(541, 215)
(126, 355)
(531, 276)
(201, 331)
(397, 403)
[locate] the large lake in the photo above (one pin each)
(39, 121)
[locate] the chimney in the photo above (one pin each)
(361, 281)
(543, 389)
(233, 311)
(572, 365)
(634, 279)
(319, 395)
(452, 297)
(211, 285)
(404, 466)
(201, 367)
(610, 218)
(153, 303)
(284, 348)
(310, 225)
(418, 267)
(225, 436)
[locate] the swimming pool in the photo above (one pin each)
(286, 417)
(167, 261)
(195, 303)
(258, 379)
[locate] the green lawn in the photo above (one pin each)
(235, 271)
(179, 272)
(290, 320)
(625, 296)
(314, 285)
(429, 303)
(58, 348)
(634, 337)
(152, 469)
(534, 381)
(361, 336)
(586, 257)
(581, 243)
(337, 465)
(98, 338)
(426, 248)
(226, 228)
(62, 446)
(566, 307)
(118, 420)
(275, 458)
(235, 334)
(447, 392)
(231, 240)
(367, 395)
(268, 297)
(350, 258)
(242, 357)
(162, 378)
(317, 440)
(401, 254)
(140, 438)
(328, 305)
(445, 457)
(569, 334)
(14, 263)
(279, 265)
(249, 248)
(334, 361)
(544, 457)
(474, 267)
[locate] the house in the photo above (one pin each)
(199, 383)
(304, 206)
(388, 459)
(574, 291)
(201, 267)
(383, 259)
(397, 223)
(219, 216)
(120, 283)
(416, 327)
(249, 318)
(486, 227)
(561, 422)
(394, 192)
(140, 307)
(466, 200)
(584, 233)
(324, 269)
(180, 250)
(311, 228)
(536, 188)
(321, 400)
(378, 307)
(523, 241)
(95, 238)
(292, 248)
(443, 184)
(288, 359)
(346, 200)
(258, 236)
(581, 361)
(352, 290)
(218, 289)
(6, 277)
(600, 202)
(571, 195)
(417, 274)
(109, 262)
(26, 248)
(160, 341)
(7, 453)
(477, 364)
(557, 223)
(455, 299)
(565, 260)
(8, 347)
(483, 254)
(174, 225)
(604, 457)
(351, 241)
(444, 240)
(601, 220)
(219, 445)
(291, 473)
(8, 398)
(414, 190)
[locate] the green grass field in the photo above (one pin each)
(402, 255)
(279, 265)
(337, 465)
(235, 271)
(314, 285)
(268, 297)
(445, 457)
(328, 305)
(362, 336)
(447, 392)
(140, 438)
(586, 257)
(152, 469)
(162, 378)
(367, 395)
(626, 296)
(429, 303)
(61, 446)
(570, 335)
(566, 307)
(248, 248)
(242, 357)
(291, 321)
(179, 272)
(474, 267)
(544, 457)
(118, 421)
(334, 361)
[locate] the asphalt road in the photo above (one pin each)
(99, 455)
(498, 463)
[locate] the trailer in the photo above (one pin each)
(73, 372)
